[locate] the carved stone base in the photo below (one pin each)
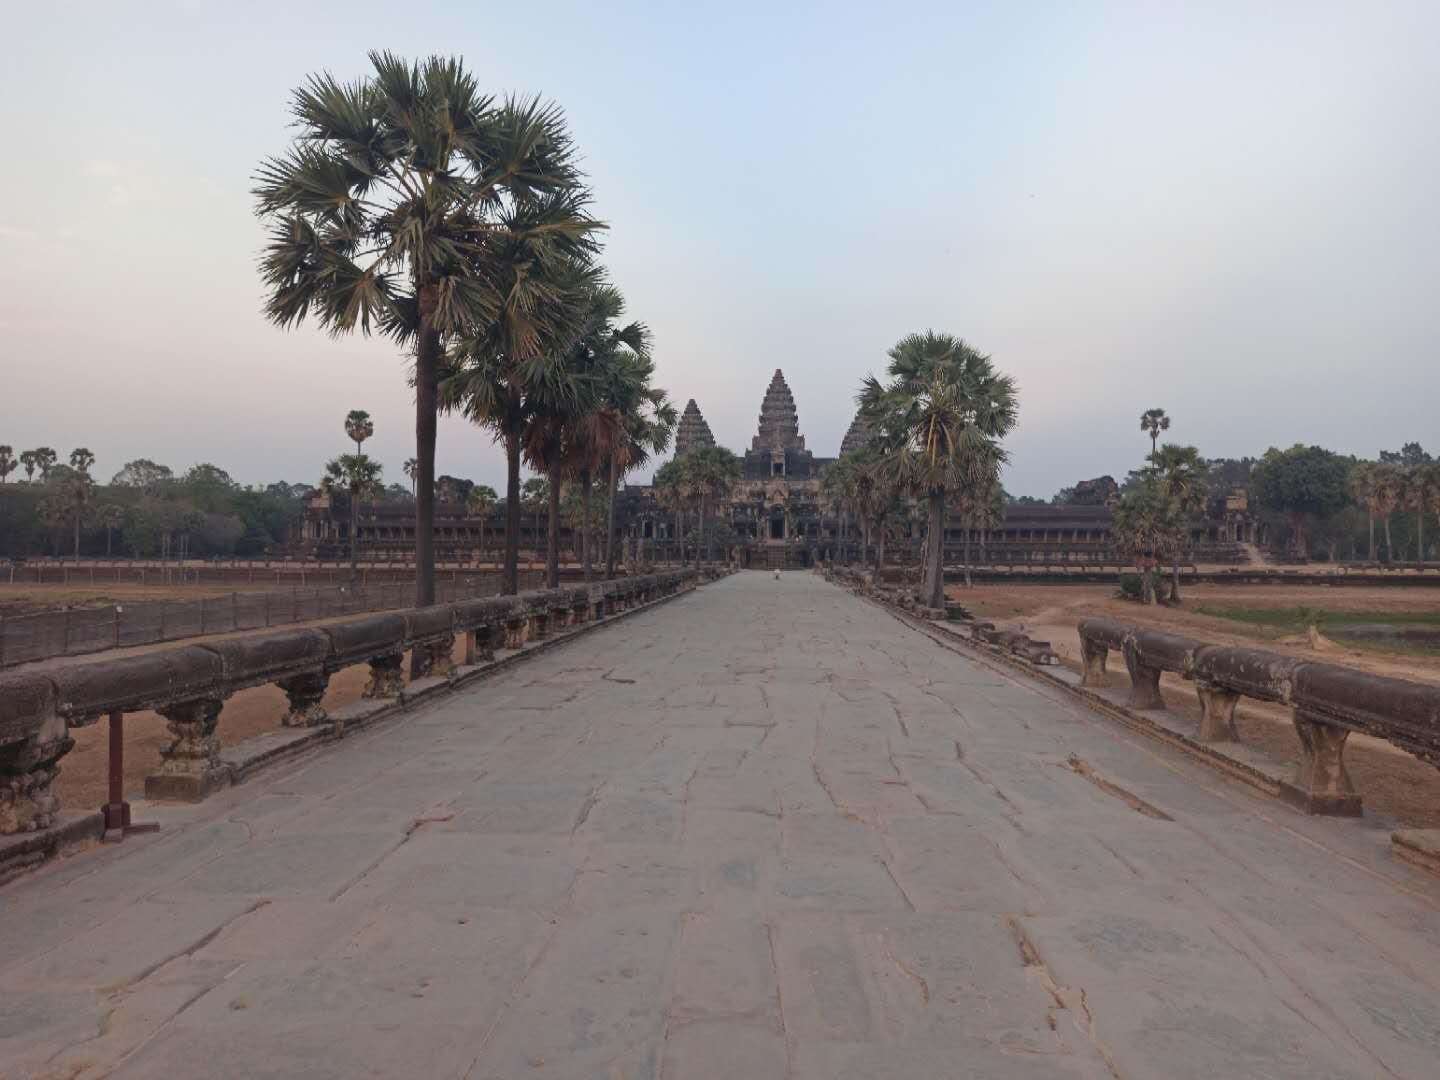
(1322, 784)
(387, 677)
(434, 659)
(539, 626)
(1094, 661)
(305, 692)
(27, 773)
(1145, 688)
(479, 645)
(1217, 714)
(516, 634)
(190, 767)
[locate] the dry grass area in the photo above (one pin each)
(1392, 782)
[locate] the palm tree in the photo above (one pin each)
(713, 473)
(1365, 489)
(479, 503)
(411, 469)
(535, 497)
(1181, 475)
(1152, 422)
(1418, 484)
(502, 376)
(1389, 488)
(358, 476)
(939, 420)
(112, 516)
(672, 491)
(81, 459)
(7, 462)
(389, 210)
(1144, 527)
(54, 511)
(359, 427)
(42, 458)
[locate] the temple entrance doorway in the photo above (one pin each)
(777, 526)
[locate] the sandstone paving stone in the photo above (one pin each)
(765, 831)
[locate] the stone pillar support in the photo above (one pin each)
(1144, 686)
(27, 772)
(387, 677)
(539, 625)
(1217, 713)
(580, 612)
(1093, 657)
(435, 657)
(190, 766)
(1322, 784)
(516, 630)
(305, 692)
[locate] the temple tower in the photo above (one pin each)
(779, 423)
(692, 432)
(856, 438)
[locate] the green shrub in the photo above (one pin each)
(1131, 588)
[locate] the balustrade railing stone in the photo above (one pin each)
(1327, 702)
(189, 684)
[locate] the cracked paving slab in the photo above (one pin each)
(766, 831)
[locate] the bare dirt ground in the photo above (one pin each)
(1392, 782)
(28, 599)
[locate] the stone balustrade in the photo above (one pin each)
(188, 685)
(1327, 701)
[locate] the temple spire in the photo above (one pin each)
(856, 437)
(779, 424)
(692, 432)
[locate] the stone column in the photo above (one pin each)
(435, 657)
(580, 612)
(516, 630)
(387, 677)
(1144, 686)
(1322, 784)
(1093, 657)
(190, 766)
(305, 692)
(1217, 713)
(539, 625)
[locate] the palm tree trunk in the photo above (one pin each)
(1372, 536)
(77, 536)
(585, 482)
(610, 520)
(880, 554)
(1419, 537)
(933, 581)
(1175, 582)
(511, 570)
(1389, 548)
(427, 401)
(552, 546)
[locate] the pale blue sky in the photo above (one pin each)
(1228, 210)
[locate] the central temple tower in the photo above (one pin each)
(778, 449)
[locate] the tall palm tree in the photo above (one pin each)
(672, 491)
(502, 376)
(412, 469)
(358, 476)
(1418, 484)
(1144, 526)
(1181, 475)
(7, 462)
(939, 418)
(1152, 423)
(389, 209)
(42, 458)
(1365, 489)
(714, 472)
(359, 427)
(1389, 489)
(112, 516)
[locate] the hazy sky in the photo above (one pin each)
(1229, 210)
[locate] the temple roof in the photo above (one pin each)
(856, 437)
(779, 424)
(693, 431)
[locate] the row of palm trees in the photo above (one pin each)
(458, 225)
(1383, 487)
